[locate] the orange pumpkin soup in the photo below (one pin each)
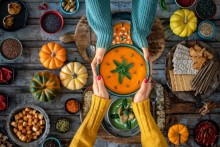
(122, 33)
(123, 69)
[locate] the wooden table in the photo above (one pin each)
(32, 38)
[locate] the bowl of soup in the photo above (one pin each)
(123, 69)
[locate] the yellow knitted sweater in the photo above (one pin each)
(150, 133)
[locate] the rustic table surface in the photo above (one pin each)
(32, 38)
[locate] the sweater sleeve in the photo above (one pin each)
(86, 134)
(143, 15)
(99, 16)
(150, 133)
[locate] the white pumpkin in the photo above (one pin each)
(74, 76)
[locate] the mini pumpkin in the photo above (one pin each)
(73, 76)
(52, 55)
(45, 86)
(178, 134)
(183, 22)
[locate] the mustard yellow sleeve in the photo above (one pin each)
(151, 135)
(86, 134)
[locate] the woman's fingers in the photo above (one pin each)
(95, 86)
(93, 65)
(101, 86)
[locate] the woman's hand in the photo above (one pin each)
(146, 54)
(145, 90)
(100, 52)
(99, 87)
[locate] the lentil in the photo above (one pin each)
(206, 29)
(11, 49)
(51, 23)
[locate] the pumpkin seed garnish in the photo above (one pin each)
(116, 51)
(108, 76)
(138, 82)
(107, 63)
(122, 70)
(132, 55)
(127, 86)
(134, 72)
(116, 87)
(141, 64)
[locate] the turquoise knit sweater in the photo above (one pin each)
(100, 19)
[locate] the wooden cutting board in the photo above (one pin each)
(189, 95)
(84, 37)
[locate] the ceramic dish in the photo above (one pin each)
(13, 75)
(75, 101)
(126, 65)
(6, 100)
(116, 113)
(216, 127)
(66, 12)
(204, 4)
(54, 13)
(40, 139)
(19, 54)
(20, 19)
(188, 6)
(53, 139)
(214, 30)
(69, 126)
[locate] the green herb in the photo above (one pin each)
(163, 5)
(122, 69)
(125, 112)
(114, 116)
(124, 103)
(128, 124)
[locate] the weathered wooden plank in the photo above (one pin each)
(115, 6)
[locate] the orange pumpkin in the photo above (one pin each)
(52, 55)
(122, 33)
(178, 134)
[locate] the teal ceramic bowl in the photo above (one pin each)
(117, 123)
(214, 30)
(140, 53)
(64, 11)
(51, 138)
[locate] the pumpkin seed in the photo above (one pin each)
(115, 87)
(134, 72)
(132, 55)
(107, 63)
(109, 77)
(138, 82)
(116, 51)
(127, 86)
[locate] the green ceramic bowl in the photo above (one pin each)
(116, 123)
(147, 65)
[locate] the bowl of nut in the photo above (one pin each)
(28, 125)
(69, 6)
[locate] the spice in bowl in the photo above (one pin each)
(72, 106)
(185, 3)
(51, 142)
(69, 6)
(206, 30)
(6, 75)
(11, 49)
(63, 125)
(206, 9)
(51, 22)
